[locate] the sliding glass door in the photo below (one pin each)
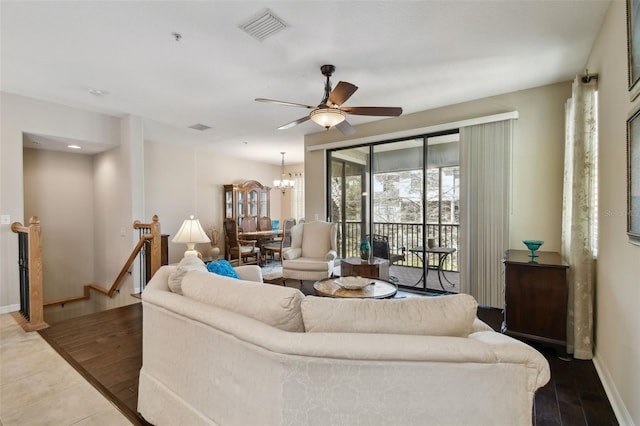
(402, 196)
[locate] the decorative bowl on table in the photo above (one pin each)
(533, 245)
(353, 283)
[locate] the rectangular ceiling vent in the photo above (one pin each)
(264, 25)
(200, 127)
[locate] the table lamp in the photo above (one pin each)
(191, 233)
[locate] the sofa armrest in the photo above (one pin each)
(479, 325)
(249, 273)
(514, 351)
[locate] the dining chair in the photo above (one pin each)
(237, 248)
(264, 223)
(284, 242)
(248, 224)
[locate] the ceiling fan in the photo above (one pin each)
(329, 112)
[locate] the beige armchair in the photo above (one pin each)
(312, 252)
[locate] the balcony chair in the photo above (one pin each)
(285, 241)
(312, 252)
(236, 248)
(380, 246)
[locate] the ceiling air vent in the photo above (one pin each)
(264, 25)
(200, 127)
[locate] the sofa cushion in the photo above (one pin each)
(433, 316)
(222, 267)
(188, 263)
(274, 305)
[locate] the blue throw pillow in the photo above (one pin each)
(222, 267)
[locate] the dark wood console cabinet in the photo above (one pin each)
(536, 298)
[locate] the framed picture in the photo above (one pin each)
(633, 178)
(633, 46)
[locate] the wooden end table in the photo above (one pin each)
(380, 289)
(376, 268)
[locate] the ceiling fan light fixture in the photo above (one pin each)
(327, 117)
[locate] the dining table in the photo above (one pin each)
(262, 237)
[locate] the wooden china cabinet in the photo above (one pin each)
(248, 199)
(536, 298)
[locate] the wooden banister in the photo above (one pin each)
(156, 241)
(31, 316)
(154, 236)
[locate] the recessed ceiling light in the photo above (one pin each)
(98, 92)
(74, 147)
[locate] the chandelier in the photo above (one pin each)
(284, 182)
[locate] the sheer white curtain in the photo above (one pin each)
(485, 165)
(297, 197)
(579, 219)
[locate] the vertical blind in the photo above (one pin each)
(485, 163)
(297, 197)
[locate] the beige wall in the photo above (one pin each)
(538, 147)
(58, 187)
(19, 115)
(182, 181)
(617, 321)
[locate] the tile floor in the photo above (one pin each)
(38, 387)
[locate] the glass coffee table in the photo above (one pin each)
(378, 289)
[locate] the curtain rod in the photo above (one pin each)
(586, 78)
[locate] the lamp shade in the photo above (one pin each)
(191, 233)
(327, 117)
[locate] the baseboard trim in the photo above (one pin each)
(617, 404)
(9, 308)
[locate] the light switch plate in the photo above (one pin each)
(5, 219)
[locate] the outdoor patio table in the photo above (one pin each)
(442, 253)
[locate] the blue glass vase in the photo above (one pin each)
(365, 250)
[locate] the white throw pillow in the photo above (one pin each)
(188, 263)
(451, 315)
(271, 304)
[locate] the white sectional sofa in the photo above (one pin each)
(239, 352)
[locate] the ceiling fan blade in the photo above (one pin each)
(271, 101)
(342, 92)
(381, 111)
(294, 123)
(345, 128)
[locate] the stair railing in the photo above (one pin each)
(153, 236)
(30, 316)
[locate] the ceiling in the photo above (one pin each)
(416, 55)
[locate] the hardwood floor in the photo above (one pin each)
(106, 348)
(573, 396)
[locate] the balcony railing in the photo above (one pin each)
(407, 235)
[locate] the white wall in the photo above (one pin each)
(19, 115)
(617, 320)
(58, 187)
(181, 181)
(538, 152)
